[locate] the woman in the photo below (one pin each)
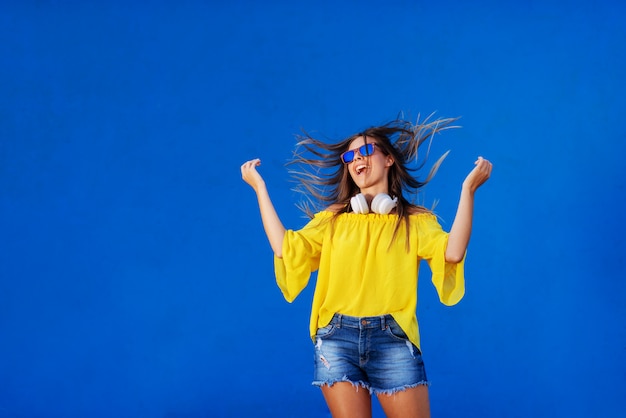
(366, 243)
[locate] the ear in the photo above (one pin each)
(390, 161)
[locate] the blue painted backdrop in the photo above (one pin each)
(135, 278)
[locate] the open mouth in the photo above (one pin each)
(360, 169)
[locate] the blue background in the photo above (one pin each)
(135, 277)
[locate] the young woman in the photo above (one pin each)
(366, 243)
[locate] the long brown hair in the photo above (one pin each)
(324, 179)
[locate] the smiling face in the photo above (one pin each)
(369, 173)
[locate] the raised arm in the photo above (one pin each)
(462, 227)
(274, 228)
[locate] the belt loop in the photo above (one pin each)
(339, 316)
(383, 325)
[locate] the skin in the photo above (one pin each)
(370, 175)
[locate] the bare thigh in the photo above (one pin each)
(409, 403)
(345, 400)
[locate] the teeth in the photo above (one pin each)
(360, 168)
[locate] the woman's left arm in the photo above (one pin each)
(462, 227)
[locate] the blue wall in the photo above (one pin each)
(135, 278)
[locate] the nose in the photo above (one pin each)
(357, 154)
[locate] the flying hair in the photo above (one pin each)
(324, 181)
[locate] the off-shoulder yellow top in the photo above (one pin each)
(360, 273)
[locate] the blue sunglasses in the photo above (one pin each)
(364, 150)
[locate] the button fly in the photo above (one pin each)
(363, 322)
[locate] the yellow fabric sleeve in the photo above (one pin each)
(301, 255)
(362, 271)
(448, 278)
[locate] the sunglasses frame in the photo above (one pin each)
(362, 150)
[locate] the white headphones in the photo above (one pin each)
(381, 204)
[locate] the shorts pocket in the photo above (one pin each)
(326, 331)
(394, 330)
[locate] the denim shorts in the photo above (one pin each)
(371, 352)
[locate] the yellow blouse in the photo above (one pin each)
(360, 274)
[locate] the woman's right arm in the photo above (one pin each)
(274, 228)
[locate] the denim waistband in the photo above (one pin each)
(380, 322)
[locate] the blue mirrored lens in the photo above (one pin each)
(365, 151)
(347, 157)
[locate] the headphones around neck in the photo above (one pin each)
(381, 204)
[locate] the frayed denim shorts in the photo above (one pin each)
(371, 352)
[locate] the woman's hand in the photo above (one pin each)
(461, 230)
(250, 175)
(274, 228)
(479, 175)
